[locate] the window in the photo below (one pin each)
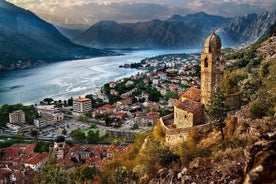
(205, 62)
(185, 116)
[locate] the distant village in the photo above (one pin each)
(119, 109)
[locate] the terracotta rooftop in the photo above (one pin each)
(108, 106)
(188, 105)
(192, 94)
(81, 99)
(29, 148)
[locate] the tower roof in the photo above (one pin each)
(212, 43)
(59, 139)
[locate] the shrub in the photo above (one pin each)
(158, 132)
(257, 110)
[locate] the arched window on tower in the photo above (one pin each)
(206, 62)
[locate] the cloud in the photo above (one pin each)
(92, 11)
(229, 8)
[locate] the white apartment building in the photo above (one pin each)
(81, 106)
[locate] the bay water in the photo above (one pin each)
(63, 80)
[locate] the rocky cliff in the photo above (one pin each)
(177, 32)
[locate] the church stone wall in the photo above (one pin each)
(182, 119)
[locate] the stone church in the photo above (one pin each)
(188, 110)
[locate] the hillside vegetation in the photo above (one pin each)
(247, 154)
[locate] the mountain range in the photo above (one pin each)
(25, 38)
(177, 32)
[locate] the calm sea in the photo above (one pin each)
(67, 79)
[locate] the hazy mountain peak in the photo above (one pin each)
(27, 38)
(177, 32)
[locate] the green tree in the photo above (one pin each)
(64, 131)
(154, 94)
(135, 126)
(34, 134)
(107, 120)
(93, 137)
(231, 80)
(41, 146)
(257, 110)
(171, 94)
(217, 110)
(156, 155)
(48, 100)
(83, 174)
(249, 87)
(77, 135)
(121, 175)
(70, 101)
(52, 173)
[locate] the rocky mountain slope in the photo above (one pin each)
(27, 38)
(246, 29)
(177, 31)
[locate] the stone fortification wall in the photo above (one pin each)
(178, 135)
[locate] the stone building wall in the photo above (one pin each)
(177, 135)
(182, 119)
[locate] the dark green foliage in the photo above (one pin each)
(41, 146)
(70, 101)
(48, 100)
(78, 136)
(257, 110)
(107, 120)
(164, 112)
(135, 126)
(121, 175)
(249, 87)
(34, 134)
(265, 69)
(198, 69)
(156, 156)
(114, 98)
(83, 174)
(93, 137)
(154, 94)
(171, 94)
(30, 113)
(64, 131)
(136, 65)
(217, 110)
(52, 173)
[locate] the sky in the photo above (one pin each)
(92, 11)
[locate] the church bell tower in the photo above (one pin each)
(212, 66)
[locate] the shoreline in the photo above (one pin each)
(119, 74)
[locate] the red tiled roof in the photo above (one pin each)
(188, 105)
(29, 148)
(108, 106)
(153, 113)
(192, 94)
(39, 157)
(82, 99)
